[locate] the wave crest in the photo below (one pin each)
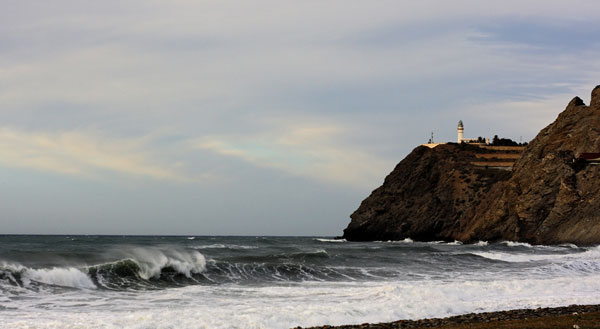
(224, 246)
(152, 261)
(60, 276)
(516, 244)
(331, 240)
(71, 277)
(137, 267)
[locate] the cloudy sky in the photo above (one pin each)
(263, 117)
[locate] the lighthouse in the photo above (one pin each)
(461, 129)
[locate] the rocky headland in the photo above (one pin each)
(550, 196)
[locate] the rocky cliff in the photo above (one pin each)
(549, 197)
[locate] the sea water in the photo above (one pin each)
(276, 282)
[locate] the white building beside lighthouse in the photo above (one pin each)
(462, 139)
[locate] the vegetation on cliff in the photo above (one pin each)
(547, 198)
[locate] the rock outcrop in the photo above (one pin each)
(425, 196)
(549, 197)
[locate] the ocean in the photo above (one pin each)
(276, 282)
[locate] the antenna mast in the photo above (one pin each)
(431, 139)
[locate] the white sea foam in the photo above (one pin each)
(331, 240)
(57, 276)
(569, 245)
(224, 246)
(407, 240)
(441, 242)
(516, 244)
(589, 256)
(312, 252)
(481, 243)
(307, 304)
(508, 257)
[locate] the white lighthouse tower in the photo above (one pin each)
(461, 129)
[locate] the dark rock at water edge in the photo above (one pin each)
(549, 197)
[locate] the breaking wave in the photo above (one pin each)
(407, 240)
(161, 267)
(516, 244)
(331, 240)
(242, 282)
(586, 261)
(22, 276)
(143, 268)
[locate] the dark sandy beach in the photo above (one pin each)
(574, 316)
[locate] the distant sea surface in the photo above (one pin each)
(276, 282)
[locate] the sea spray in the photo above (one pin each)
(153, 260)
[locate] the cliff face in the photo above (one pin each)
(548, 198)
(425, 196)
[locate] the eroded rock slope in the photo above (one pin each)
(548, 198)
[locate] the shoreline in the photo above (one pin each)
(573, 316)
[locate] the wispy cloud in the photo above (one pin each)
(82, 83)
(84, 154)
(309, 150)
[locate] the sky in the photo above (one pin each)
(260, 117)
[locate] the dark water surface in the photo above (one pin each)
(277, 282)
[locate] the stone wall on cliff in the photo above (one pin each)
(548, 197)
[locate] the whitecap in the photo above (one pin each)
(407, 240)
(569, 245)
(516, 244)
(508, 257)
(152, 260)
(589, 256)
(330, 240)
(58, 276)
(224, 246)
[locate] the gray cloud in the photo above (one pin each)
(311, 98)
